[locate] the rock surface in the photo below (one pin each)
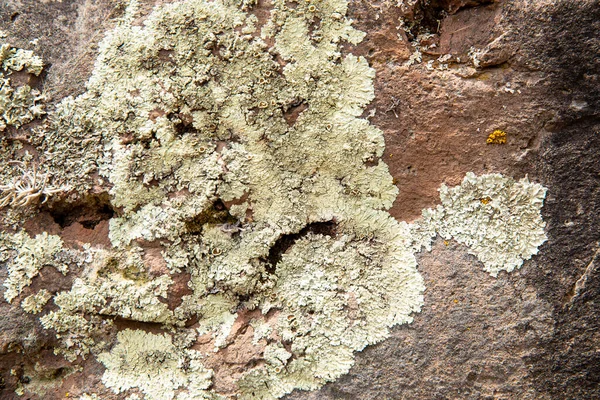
(531, 69)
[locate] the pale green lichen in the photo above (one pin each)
(16, 59)
(153, 364)
(21, 104)
(35, 303)
(498, 218)
(26, 256)
(199, 118)
(338, 296)
(114, 285)
(262, 330)
(191, 119)
(79, 335)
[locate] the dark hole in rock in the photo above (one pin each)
(89, 211)
(182, 123)
(122, 323)
(59, 372)
(429, 13)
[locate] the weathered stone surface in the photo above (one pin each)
(528, 68)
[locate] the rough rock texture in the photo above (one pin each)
(527, 68)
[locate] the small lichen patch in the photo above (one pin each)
(26, 256)
(126, 292)
(21, 104)
(42, 379)
(153, 364)
(498, 218)
(496, 137)
(35, 303)
(17, 59)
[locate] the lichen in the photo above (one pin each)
(21, 104)
(153, 364)
(16, 59)
(35, 303)
(112, 285)
(26, 256)
(498, 218)
(187, 128)
(497, 137)
(338, 296)
(42, 378)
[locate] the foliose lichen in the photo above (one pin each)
(190, 112)
(498, 218)
(18, 104)
(35, 303)
(153, 364)
(25, 256)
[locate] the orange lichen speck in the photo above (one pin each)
(497, 137)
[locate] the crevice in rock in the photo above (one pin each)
(427, 15)
(216, 214)
(89, 211)
(292, 111)
(283, 244)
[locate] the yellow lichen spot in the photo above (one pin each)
(485, 200)
(497, 137)
(455, 301)
(446, 242)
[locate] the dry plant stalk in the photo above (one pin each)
(30, 186)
